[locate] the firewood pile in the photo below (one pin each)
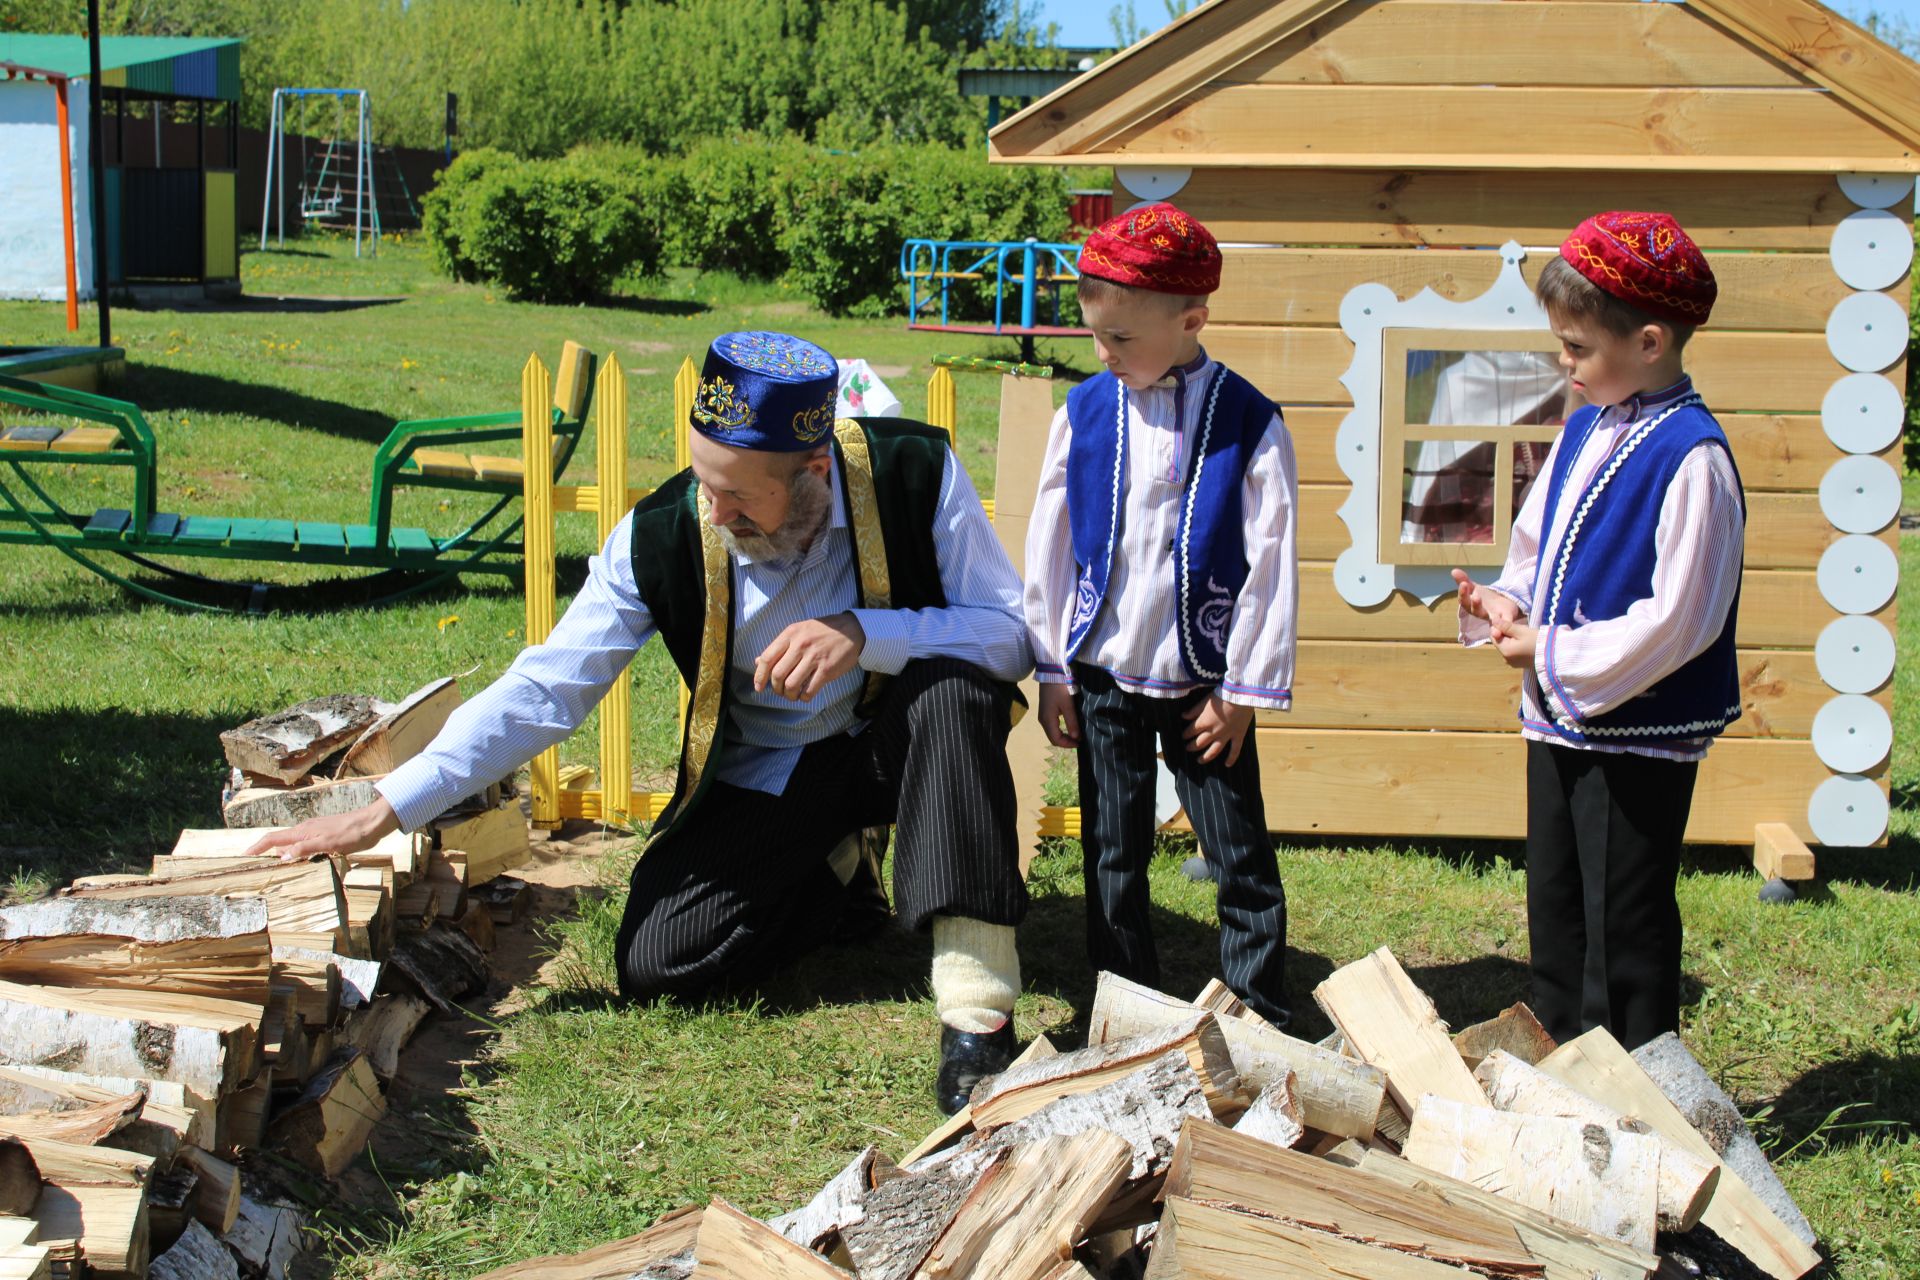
(1193, 1140)
(155, 1030)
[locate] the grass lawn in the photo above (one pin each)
(590, 1117)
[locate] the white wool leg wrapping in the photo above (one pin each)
(976, 973)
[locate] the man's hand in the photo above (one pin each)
(1517, 642)
(341, 833)
(1058, 717)
(808, 656)
(1216, 726)
(1485, 603)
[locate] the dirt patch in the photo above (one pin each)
(649, 348)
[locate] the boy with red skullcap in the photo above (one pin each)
(1161, 594)
(1619, 600)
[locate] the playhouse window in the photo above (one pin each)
(1465, 422)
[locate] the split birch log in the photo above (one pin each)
(442, 965)
(1217, 997)
(168, 1191)
(104, 1226)
(241, 1124)
(194, 945)
(328, 1126)
(85, 1123)
(216, 1194)
(1390, 1022)
(402, 733)
(369, 931)
(902, 1217)
(477, 923)
(1598, 1178)
(358, 979)
(1023, 1218)
(1337, 1095)
(1221, 1165)
(816, 1224)
(301, 897)
(19, 1178)
(663, 1251)
(196, 1255)
(265, 1237)
(1206, 1242)
(73, 1165)
(486, 845)
(167, 1104)
(1686, 1182)
(396, 851)
(382, 1031)
(1021, 1091)
(450, 880)
(1513, 1029)
(26, 1262)
(273, 807)
(288, 744)
(1274, 1117)
(507, 900)
(1597, 1066)
(960, 1123)
(206, 1045)
(732, 1246)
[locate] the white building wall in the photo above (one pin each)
(32, 250)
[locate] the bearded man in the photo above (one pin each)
(850, 628)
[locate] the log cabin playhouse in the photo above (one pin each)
(1386, 178)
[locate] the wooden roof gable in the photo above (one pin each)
(1729, 85)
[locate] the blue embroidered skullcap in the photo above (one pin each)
(766, 391)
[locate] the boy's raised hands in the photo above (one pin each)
(1485, 603)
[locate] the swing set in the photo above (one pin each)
(318, 201)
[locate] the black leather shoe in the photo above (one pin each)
(967, 1058)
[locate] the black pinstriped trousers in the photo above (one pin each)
(744, 886)
(1118, 732)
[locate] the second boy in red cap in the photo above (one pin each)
(1161, 594)
(1619, 600)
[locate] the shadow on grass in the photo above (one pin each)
(1874, 1096)
(652, 306)
(158, 389)
(287, 304)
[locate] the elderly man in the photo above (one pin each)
(836, 600)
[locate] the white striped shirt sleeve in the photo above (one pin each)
(1260, 644)
(1051, 571)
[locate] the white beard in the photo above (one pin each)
(809, 498)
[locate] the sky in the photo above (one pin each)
(1084, 22)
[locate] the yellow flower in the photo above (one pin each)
(451, 619)
(1886, 1177)
(406, 364)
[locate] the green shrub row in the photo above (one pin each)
(830, 224)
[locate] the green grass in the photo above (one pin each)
(588, 1117)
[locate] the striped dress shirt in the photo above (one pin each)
(551, 687)
(1603, 663)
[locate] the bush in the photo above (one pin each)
(721, 213)
(443, 210)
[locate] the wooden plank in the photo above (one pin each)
(1391, 1023)
(1399, 208)
(1860, 69)
(1451, 42)
(1763, 126)
(1374, 782)
(1779, 854)
(86, 440)
(1267, 285)
(444, 462)
(1350, 685)
(488, 467)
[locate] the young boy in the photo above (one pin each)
(1619, 597)
(1161, 593)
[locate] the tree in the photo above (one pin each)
(1127, 29)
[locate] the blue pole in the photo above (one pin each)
(1027, 287)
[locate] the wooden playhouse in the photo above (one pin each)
(1386, 177)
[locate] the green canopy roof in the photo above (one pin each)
(167, 66)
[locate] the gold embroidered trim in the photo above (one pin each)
(869, 543)
(710, 675)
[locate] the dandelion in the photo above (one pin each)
(450, 620)
(1886, 1177)
(407, 365)
(512, 632)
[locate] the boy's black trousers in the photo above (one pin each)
(1603, 854)
(1118, 733)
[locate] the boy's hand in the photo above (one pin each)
(1516, 642)
(1057, 716)
(1485, 603)
(1217, 726)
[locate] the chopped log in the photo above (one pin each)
(301, 897)
(506, 899)
(382, 1031)
(1686, 1084)
(16, 1230)
(1146, 1109)
(369, 930)
(1221, 1165)
(732, 1246)
(1274, 1117)
(358, 978)
(417, 906)
(816, 1224)
(274, 807)
(1686, 1182)
(396, 851)
(1567, 1251)
(901, 1218)
(194, 945)
(486, 845)
(1218, 997)
(105, 1226)
(1514, 1029)
(477, 924)
(1392, 1024)
(168, 1192)
(653, 1254)
(26, 1262)
(168, 1104)
(242, 1118)
(1205, 1242)
(1021, 1091)
(402, 733)
(288, 744)
(1599, 1178)
(370, 878)
(960, 1123)
(1337, 1095)
(442, 965)
(73, 1165)
(450, 879)
(1024, 1217)
(202, 1043)
(216, 1194)
(308, 990)
(19, 1178)
(328, 1127)
(288, 1061)
(196, 1255)
(1390, 1125)
(52, 1116)
(1597, 1066)
(265, 1237)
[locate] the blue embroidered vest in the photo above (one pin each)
(1605, 563)
(1209, 545)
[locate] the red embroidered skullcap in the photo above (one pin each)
(1154, 247)
(1645, 259)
